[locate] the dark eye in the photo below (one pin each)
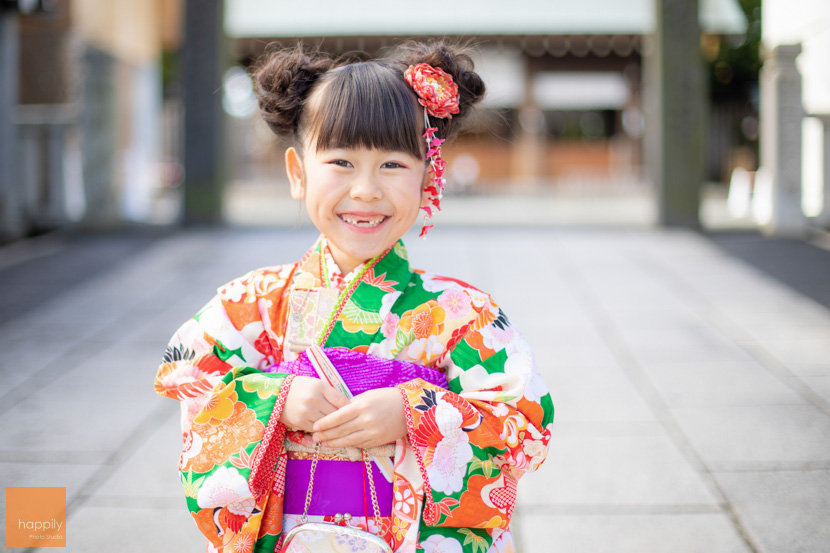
(341, 163)
(392, 165)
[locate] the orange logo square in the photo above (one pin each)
(35, 517)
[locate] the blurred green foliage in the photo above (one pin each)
(734, 61)
(169, 73)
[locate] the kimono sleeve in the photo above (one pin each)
(230, 420)
(229, 331)
(474, 441)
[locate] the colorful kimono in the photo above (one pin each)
(456, 471)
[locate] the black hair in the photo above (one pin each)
(360, 103)
(365, 104)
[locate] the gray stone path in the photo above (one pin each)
(692, 392)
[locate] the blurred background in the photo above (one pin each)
(646, 189)
(120, 112)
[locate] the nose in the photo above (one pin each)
(366, 187)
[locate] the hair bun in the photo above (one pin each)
(283, 80)
(457, 61)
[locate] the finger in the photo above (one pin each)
(335, 397)
(337, 418)
(323, 409)
(339, 431)
(314, 411)
(357, 438)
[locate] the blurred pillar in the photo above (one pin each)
(527, 157)
(676, 94)
(781, 115)
(98, 98)
(202, 63)
(823, 218)
(12, 222)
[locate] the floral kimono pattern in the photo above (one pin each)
(457, 469)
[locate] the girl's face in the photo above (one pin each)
(362, 200)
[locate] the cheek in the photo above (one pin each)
(318, 205)
(322, 193)
(410, 200)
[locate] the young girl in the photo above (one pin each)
(459, 411)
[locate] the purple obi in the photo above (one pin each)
(341, 486)
(363, 372)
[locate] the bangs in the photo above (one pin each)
(367, 104)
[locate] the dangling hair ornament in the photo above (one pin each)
(439, 95)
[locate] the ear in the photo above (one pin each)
(294, 169)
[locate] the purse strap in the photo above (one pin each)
(372, 491)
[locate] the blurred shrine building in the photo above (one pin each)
(91, 93)
(565, 104)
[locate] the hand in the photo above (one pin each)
(373, 418)
(309, 400)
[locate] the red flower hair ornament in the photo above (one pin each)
(439, 95)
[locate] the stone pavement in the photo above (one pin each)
(692, 392)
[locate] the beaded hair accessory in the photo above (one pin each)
(439, 95)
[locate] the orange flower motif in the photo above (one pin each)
(218, 445)
(404, 500)
(244, 542)
(219, 407)
(425, 320)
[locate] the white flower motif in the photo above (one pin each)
(386, 303)
(522, 366)
(192, 448)
(449, 464)
(503, 543)
(533, 447)
(252, 331)
(215, 322)
(500, 410)
(382, 349)
(404, 500)
(223, 487)
(415, 350)
(333, 269)
(433, 348)
(262, 284)
(479, 299)
(441, 544)
(425, 350)
(496, 338)
(477, 383)
(449, 419)
(232, 291)
(434, 283)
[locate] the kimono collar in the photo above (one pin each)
(318, 269)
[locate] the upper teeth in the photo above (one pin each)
(363, 222)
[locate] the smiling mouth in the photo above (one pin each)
(363, 222)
